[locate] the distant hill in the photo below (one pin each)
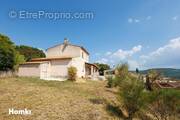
(167, 72)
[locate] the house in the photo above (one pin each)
(58, 59)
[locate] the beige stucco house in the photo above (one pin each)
(58, 59)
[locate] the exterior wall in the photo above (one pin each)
(84, 55)
(63, 51)
(79, 63)
(45, 70)
(59, 68)
(29, 70)
(7, 74)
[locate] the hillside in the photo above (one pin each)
(54, 100)
(167, 72)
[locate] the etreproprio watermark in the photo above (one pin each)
(35, 15)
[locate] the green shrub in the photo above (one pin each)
(164, 104)
(132, 95)
(151, 77)
(121, 73)
(110, 82)
(72, 73)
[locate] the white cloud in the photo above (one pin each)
(124, 54)
(133, 64)
(175, 18)
(121, 55)
(103, 60)
(130, 20)
(108, 53)
(165, 56)
(148, 17)
(137, 48)
(136, 20)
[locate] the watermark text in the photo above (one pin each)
(23, 14)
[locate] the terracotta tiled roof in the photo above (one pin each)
(30, 63)
(71, 45)
(48, 59)
(92, 65)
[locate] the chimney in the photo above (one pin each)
(66, 42)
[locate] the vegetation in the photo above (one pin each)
(161, 104)
(132, 96)
(151, 77)
(9, 57)
(121, 73)
(18, 60)
(137, 70)
(72, 73)
(102, 67)
(166, 72)
(54, 100)
(164, 104)
(110, 82)
(89, 100)
(131, 93)
(30, 52)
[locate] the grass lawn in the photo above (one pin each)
(53, 100)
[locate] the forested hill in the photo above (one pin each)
(167, 72)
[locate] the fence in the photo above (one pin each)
(7, 74)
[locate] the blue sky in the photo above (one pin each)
(144, 33)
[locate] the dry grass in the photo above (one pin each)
(53, 100)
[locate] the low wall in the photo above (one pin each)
(7, 74)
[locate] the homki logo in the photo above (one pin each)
(13, 111)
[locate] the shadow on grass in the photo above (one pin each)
(114, 110)
(111, 109)
(97, 100)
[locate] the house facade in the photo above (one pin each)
(58, 59)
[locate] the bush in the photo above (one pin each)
(132, 96)
(121, 73)
(110, 82)
(72, 73)
(164, 104)
(151, 77)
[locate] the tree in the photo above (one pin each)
(18, 60)
(9, 57)
(102, 67)
(131, 91)
(7, 53)
(150, 79)
(30, 52)
(122, 70)
(137, 70)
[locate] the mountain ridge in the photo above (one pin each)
(166, 72)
